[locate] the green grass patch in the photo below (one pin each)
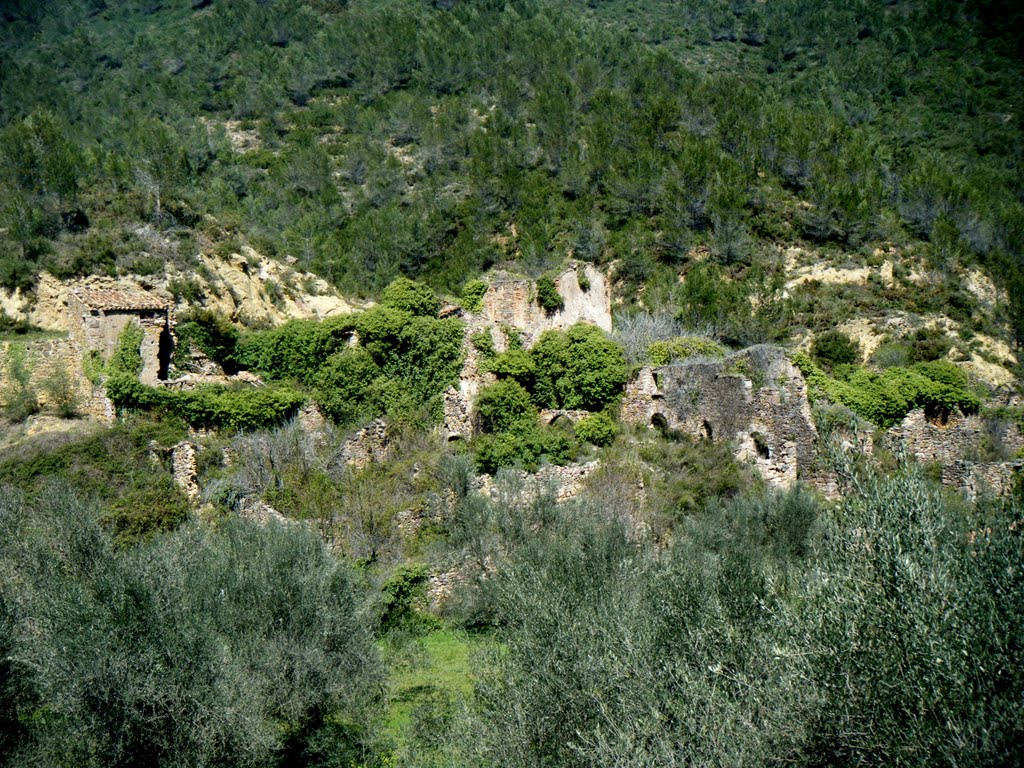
(428, 673)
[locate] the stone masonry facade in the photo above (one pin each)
(755, 398)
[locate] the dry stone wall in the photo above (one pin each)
(974, 479)
(49, 361)
(960, 438)
(370, 444)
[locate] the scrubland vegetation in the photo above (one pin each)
(411, 612)
(737, 627)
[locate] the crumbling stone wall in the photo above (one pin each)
(959, 438)
(97, 318)
(370, 444)
(974, 479)
(756, 398)
(512, 301)
(52, 359)
(457, 422)
(565, 482)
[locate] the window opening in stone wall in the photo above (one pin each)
(660, 423)
(761, 444)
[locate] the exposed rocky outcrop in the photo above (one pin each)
(245, 286)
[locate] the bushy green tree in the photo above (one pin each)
(548, 296)
(835, 348)
(578, 368)
(412, 297)
(342, 385)
(504, 406)
(597, 428)
(213, 335)
(234, 645)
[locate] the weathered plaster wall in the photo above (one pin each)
(512, 301)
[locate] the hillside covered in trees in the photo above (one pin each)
(373, 139)
(662, 405)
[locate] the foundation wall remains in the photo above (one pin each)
(960, 438)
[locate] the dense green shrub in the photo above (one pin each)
(548, 297)
(127, 357)
(409, 296)
(473, 295)
(483, 342)
(597, 428)
(215, 336)
(297, 349)
(885, 398)
(513, 435)
(683, 347)
(403, 599)
(208, 406)
(580, 368)
(342, 385)
(232, 644)
(835, 348)
(527, 445)
(892, 354)
(929, 344)
(504, 406)
(514, 364)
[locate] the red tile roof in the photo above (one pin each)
(113, 299)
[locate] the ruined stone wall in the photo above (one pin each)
(755, 398)
(960, 438)
(975, 479)
(101, 332)
(49, 361)
(512, 301)
(370, 444)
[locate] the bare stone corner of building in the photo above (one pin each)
(512, 301)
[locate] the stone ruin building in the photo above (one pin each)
(755, 398)
(98, 316)
(95, 318)
(510, 303)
